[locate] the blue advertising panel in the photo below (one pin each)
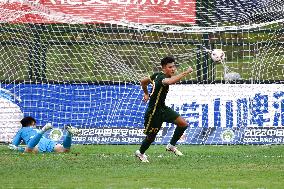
(113, 114)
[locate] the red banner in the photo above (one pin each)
(99, 11)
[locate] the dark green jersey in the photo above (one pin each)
(157, 112)
(159, 91)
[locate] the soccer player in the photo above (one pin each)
(35, 140)
(157, 112)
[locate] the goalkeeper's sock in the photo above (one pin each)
(67, 141)
(35, 140)
(145, 145)
(177, 134)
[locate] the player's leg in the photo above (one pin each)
(181, 126)
(31, 146)
(152, 123)
(67, 141)
(149, 139)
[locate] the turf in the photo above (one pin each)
(114, 166)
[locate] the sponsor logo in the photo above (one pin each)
(227, 135)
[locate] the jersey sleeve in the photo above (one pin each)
(153, 77)
(17, 139)
(159, 79)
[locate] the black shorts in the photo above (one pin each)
(154, 118)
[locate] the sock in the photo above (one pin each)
(144, 146)
(177, 134)
(67, 141)
(35, 140)
(147, 142)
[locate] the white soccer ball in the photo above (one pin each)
(217, 55)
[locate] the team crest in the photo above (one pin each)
(227, 135)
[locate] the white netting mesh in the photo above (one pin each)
(79, 62)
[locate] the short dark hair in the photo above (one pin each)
(167, 60)
(27, 121)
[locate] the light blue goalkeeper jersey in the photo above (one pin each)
(27, 133)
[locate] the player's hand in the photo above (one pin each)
(146, 97)
(189, 69)
(12, 147)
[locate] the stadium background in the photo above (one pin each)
(87, 75)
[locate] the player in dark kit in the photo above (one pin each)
(157, 112)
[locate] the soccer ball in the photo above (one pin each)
(217, 55)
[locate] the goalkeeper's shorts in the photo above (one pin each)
(154, 118)
(46, 145)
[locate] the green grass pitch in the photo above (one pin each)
(115, 167)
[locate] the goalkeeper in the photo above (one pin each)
(157, 112)
(35, 140)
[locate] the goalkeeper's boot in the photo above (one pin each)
(141, 157)
(72, 130)
(172, 148)
(47, 127)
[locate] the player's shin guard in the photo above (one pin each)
(35, 140)
(67, 141)
(177, 134)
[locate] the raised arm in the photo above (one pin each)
(144, 84)
(176, 78)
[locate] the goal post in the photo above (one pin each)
(80, 63)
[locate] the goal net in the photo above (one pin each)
(79, 62)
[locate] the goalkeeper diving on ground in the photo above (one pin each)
(157, 112)
(36, 142)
